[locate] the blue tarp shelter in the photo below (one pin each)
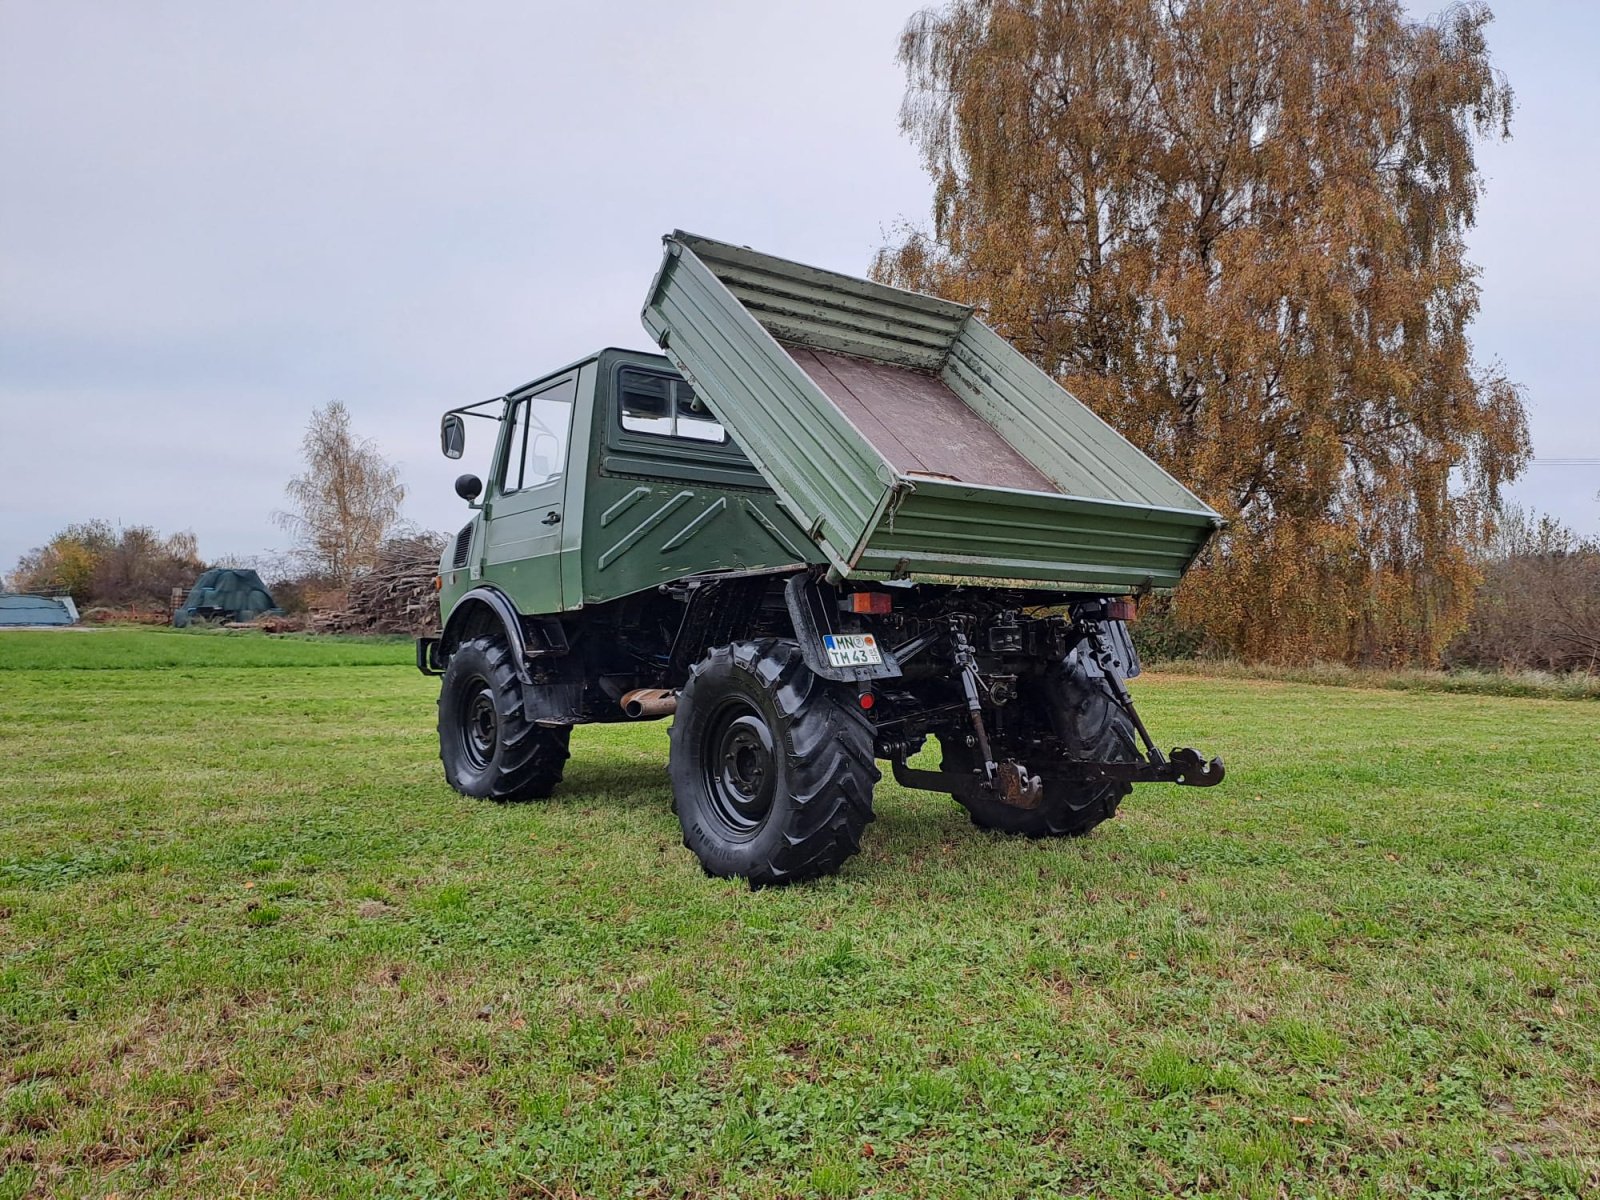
(19, 609)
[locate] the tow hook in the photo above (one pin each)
(1014, 786)
(1188, 767)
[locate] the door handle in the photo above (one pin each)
(551, 518)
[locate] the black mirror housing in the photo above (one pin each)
(468, 487)
(453, 436)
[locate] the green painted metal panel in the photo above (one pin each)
(833, 440)
(528, 543)
(657, 509)
(1057, 432)
(829, 478)
(637, 510)
(995, 533)
(814, 307)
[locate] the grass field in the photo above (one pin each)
(250, 944)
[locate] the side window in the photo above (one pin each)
(666, 406)
(536, 449)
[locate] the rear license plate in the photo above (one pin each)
(851, 649)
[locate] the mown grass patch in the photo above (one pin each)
(249, 942)
(1538, 685)
(89, 649)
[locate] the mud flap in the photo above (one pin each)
(812, 605)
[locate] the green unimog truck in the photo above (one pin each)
(830, 520)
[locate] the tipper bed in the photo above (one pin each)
(907, 437)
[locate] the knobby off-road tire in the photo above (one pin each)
(489, 748)
(1092, 726)
(772, 768)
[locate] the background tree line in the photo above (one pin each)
(99, 565)
(345, 507)
(1538, 605)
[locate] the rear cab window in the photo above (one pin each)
(661, 405)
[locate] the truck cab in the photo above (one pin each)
(608, 476)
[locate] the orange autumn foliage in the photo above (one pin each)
(1235, 230)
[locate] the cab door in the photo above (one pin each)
(526, 508)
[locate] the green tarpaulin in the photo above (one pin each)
(225, 594)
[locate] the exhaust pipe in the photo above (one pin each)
(650, 702)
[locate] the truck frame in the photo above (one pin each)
(831, 521)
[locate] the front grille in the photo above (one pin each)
(463, 547)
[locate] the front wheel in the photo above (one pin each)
(490, 750)
(772, 767)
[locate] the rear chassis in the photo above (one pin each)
(970, 666)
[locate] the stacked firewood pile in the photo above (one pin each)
(394, 595)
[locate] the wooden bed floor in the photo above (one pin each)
(916, 422)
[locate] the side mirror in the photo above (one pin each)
(468, 487)
(453, 435)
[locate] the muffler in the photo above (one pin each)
(650, 702)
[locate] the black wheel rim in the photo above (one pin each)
(741, 770)
(480, 723)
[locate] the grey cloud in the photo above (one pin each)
(217, 217)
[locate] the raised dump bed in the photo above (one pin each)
(907, 437)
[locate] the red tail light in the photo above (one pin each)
(1122, 609)
(877, 603)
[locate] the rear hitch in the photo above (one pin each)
(1189, 768)
(1011, 782)
(1119, 689)
(967, 664)
(1184, 766)
(1014, 786)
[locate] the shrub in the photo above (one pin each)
(1159, 636)
(1538, 607)
(99, 566)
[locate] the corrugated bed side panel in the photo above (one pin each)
(1052, 428)
(951, 529)
(810, 455)
(830, 311)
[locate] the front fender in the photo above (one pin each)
(486, 610)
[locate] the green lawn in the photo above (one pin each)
(250, 944)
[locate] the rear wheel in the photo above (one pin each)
(1093, 727)
(489, 748)
(772, 769)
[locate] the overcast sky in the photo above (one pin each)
(215, 217)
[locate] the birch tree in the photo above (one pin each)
(348, 500)
(1235, 229)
